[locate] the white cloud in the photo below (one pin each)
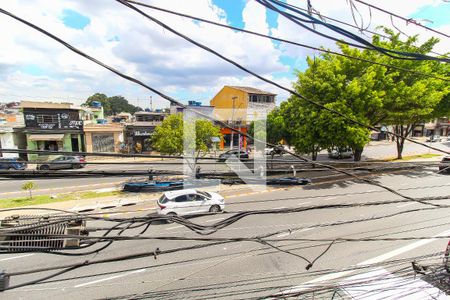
(143, 50)
(127, 41)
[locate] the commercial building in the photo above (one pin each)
(53, 126)
(104, 137)
(238, 106)
(140, 130)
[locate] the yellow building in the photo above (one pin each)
(236, 105)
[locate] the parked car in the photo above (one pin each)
(444, 165)
(12, 164)
(63, 162)
(229, 153)
(338, 152)
(277, 150)
(434, 138)
(188, 202)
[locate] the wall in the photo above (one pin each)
(223, 104)
(7, 142)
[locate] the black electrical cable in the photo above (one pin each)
(404, 55)
(275, 84)
(284, 40)
(268, 81)
(172, 100)
(350, 25)
(409, 21)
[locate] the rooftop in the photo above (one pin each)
(174, 194)
(150, 113)
(36, 104)
(251, 90)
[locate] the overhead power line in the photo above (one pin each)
(351, 25)
(408, 21)
(172, 100)
(362, 43)
(284, 40)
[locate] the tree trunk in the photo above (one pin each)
(400, 140)
(30, 194)
(357, 154)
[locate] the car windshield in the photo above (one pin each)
(206, 194)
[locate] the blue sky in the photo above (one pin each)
(74, 19)
(438, 14)
(33, 63)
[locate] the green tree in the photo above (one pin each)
(168, 137)
(276, 129)
(102, 98)
(119, 104)
(112, 105)
(410, 98)
(369, 93)
(29, 186)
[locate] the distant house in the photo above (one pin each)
(238, 106)
(193, 106)
(141, 128)
(53, 126)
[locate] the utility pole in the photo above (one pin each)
(151, 103)
(232, 122)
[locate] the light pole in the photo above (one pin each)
(232, 122)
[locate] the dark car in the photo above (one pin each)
(63, 162)
(238, 153)
(12, 164)
(340, 152)
(444, 165)
(434, 138)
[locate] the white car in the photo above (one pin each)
(190, 201)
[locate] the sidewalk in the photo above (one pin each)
(102, 204)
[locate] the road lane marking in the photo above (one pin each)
(404, 205)
(109, 278)
(293, 231)
(172, 228)
(213, 220)
(281, 207)
(301, 203)
(16, 257)
(374, 260)
(330, 198)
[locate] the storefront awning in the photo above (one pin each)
(46, 137)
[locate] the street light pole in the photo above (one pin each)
(232, 122)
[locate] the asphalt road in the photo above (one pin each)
(12, 188)
(242, 270)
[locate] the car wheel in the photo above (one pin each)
(44, 168)
(76, 166)
(171, 214)
(11, 169)
(214, 209)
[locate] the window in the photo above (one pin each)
(199, 198)
(206, 194)
(182, 198)
(47, 118)
(163, 199)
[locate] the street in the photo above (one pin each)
(12, 188)
(247, 269)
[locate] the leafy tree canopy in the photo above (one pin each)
(369, 93)
(112, 105)
(168, 137)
